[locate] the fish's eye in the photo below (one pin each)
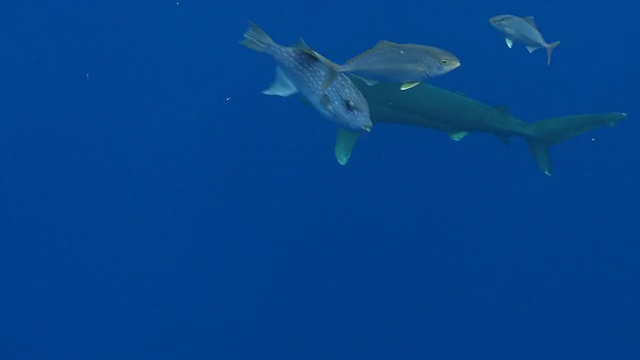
(350, 105)
(444, 61)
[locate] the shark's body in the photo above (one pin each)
(457, 115)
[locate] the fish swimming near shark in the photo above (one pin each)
(458, 116)
(523, 30)
(301, 69)
(408, 64)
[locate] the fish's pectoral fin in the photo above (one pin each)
(332, 73)
(369, 82)
(281, 85)
(325, 102)
(509, 42)
(530, 21)
(345, 141)
(532, 48)
(459, 135)
(409, 85)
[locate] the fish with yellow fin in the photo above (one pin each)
(408, 64)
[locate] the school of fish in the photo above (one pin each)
(324, 85)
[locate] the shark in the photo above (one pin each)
(457, 115)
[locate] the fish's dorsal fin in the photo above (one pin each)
(530, 21)
(509, 42)
(345, 141)
(384, 44)
(281, 85)
(305, 49)
(409, 85)
(302, 45)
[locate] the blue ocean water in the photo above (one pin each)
(155, 205)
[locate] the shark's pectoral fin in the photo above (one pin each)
(409, 85)
(345, 141)
(509, 42)
(281, 85)
(540, 152)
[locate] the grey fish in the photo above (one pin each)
(459, 116)
(408, 64)
(302, 69)
(523, 30)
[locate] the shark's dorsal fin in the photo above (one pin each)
(384, 44)
(345, 141)
(530, 21)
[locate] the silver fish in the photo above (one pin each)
(523, 30)
(304, 70)
(408, 64)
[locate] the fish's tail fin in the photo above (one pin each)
(547, 133)
(256, 39)
(550, 48)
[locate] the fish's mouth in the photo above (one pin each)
(496, 20)
(367, 128)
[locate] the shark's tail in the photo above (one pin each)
(547, 133)
(550, 48)
(256, 39)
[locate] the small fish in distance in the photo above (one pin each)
(523, 30)
(300, 69)
(408, 64)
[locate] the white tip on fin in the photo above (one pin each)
(532, 48)
(457, 136)
(409, 85)
(509, 42)
(281, 85)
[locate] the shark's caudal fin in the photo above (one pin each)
(550, 48)
(547, 133)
